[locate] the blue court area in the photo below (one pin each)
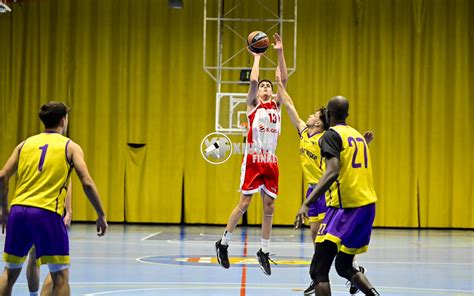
(174, 260)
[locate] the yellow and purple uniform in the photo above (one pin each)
(351, 198)
(38, 204)
(313, 167)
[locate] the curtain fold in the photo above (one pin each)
(132, 73)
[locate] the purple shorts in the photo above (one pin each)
(318, 209)
(349, 229)
(28, 226)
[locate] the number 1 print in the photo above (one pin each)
(43, 155)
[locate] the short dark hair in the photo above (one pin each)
(52, 113)
(265, 80)
(322, 116)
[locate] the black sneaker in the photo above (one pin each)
(264, 261)
(222, 255)
(310, 290)
(353, 288)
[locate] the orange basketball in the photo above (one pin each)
(258, 41)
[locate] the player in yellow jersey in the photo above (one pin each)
(312, 163)
(43, 164)
(350, 197)
(310, 133)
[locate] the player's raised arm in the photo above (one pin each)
(253, 89)
(278, 46)
(288, 102)
(89, 187)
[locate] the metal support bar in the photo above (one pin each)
(224, 24)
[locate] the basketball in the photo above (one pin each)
(258, 41)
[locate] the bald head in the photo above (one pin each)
(338, 108)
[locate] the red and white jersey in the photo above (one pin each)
(264, 127)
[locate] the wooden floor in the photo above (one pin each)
(174, 260)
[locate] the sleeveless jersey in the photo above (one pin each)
(354, 186)
(43, 172)
(310, 154)
(264, 127)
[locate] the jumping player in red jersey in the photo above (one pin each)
(259, 172)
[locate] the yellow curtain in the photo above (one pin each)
(132, 73)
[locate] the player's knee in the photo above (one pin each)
(61, 276)
(344, 266)
(244, 205)
(322, 261)
(268, 206)
(320, 274)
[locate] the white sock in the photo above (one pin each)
(226, 237)
(265, 243)
(355, 265)
(34, 293)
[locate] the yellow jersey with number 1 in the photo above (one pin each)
(43, 172)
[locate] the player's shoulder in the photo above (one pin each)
(74, 145)
(330, 132)
(331, 135)
(304, 132)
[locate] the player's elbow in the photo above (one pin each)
(3, 177)
(332, 176)
(87, 183)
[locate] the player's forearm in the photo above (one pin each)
(282, 65)
(254, 74)
(294, 117)
(290, 106)
(3, 190)
(324, 183)
(68, 204)
(92, 194)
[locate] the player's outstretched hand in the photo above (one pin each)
(255, 54)
(302, 214)
(369, 136)
(278, 45)
(101, 226)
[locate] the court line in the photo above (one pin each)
(140, 259)
(182, 288)
(258, 286)
(244, 268)
(309, 246)
(217, 285)
(219, 236)
(151, 235)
